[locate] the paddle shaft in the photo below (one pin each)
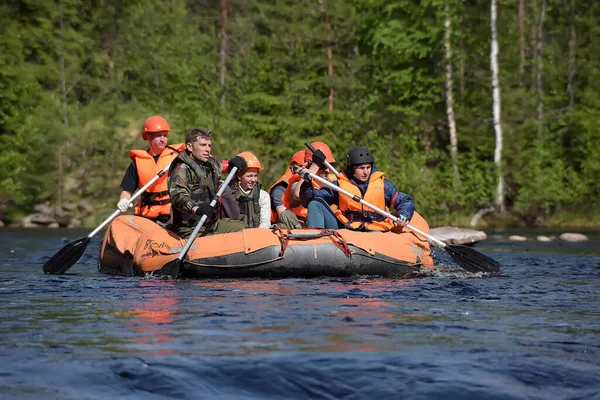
(312, 148)
(135, 196)
(379, 210)
(189, 242)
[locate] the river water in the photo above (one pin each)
(531, 332)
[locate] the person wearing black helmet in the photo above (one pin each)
(362, 179)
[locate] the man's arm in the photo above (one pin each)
(276, 196)
(180, 191)
(401, 202)
(309, 192)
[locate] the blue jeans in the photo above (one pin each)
(320, 215)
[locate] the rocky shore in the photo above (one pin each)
(71, 214)
(44, 216)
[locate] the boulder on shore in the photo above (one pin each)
(517, 238)
(453, 235)
(41, 219)
(545, 238)
(573, 237)
(2, 224)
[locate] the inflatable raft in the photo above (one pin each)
(137, 246)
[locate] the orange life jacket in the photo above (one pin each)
(362, 216)
(300, 211)
(155, 200)
(282, 179)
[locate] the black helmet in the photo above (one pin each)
(359, 155)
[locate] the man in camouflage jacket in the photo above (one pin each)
(193, 183)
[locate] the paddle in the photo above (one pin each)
(311, 148)
(172, 267)
(465, 256)
(72, 252)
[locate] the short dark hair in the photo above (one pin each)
(193, 134)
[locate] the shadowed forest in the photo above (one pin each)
(412, 81)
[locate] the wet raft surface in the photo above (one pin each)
(532, 332)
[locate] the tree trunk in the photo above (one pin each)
(539, 68)
(63, 96)
(223, 49)
(533, 34)
(496, 108)
(462, 56)
(329, 58)
(572, 59)
(521, 43)
(449, 94)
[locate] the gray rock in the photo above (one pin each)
(41, 219)
(44, 209)
(26, 222)
(69, 207)
(545, 238)
(573, 237)
(517, 238)
(2, 225)
(54, 225)
(453, 235)
(74, 223)
(85, 206)
(64, 221)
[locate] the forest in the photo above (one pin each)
(474, 106)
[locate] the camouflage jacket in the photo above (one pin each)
(190, 184)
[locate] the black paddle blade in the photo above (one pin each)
(472, 260)
(171, 268)
(66, 257)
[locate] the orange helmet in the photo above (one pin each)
(251, 160)
(155, 124)
(298, 158)
(319, 146)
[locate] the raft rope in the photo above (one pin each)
(336, 238)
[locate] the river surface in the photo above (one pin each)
(533, 332)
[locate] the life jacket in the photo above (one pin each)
(301, 211)
(249, 205)
(203, 181)
(283, 180)
(359, 216)
(155, 200)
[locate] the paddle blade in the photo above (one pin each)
(472, 260)
(171, 268)
(66, 257)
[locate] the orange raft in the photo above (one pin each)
(135, 246)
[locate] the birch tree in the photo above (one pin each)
(449, 95)
(496, 108)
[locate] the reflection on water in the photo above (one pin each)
(532, 330)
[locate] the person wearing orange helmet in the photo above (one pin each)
(155, 203)
(364, 181)
(254, 203)
(316, 164)
(280, 213)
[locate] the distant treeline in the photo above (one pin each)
(400, 77)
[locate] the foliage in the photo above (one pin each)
(78, 78)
